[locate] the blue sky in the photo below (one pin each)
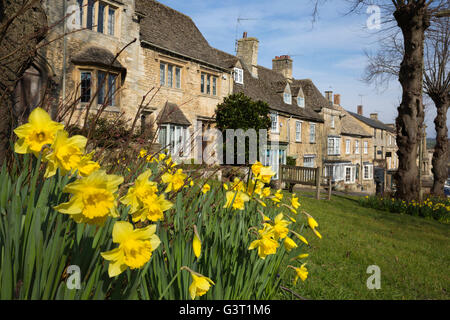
(330, 52)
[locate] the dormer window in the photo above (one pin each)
(238, 75)
(287, 98)
(301, 102)
(98, 16)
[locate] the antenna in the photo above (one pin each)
(238, 22)
(361, 96)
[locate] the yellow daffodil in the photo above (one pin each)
(39, 131)
(266, 244)
(153, 207)
(301, 272)
(174, 181)
(280, 227)
(66, 153)
(93, 198)
(300, 237)
(239, 197)
(266, 174)
(302, 256)
(289, 244)
(142, 153)
(266, 192)
(256, 168)
(294, 202)
(313, 224)
(141, 189)
(206, 187)
(86, 166)
(238, 185)
(278, 196)
(196, 243)
(225, 186)
(135, 247)
(200, 285)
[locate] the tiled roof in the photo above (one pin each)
(265, 87)
(171, 30)
(313, 97)
(172, 114)
(372, 122)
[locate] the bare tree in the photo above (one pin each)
(413, 18)
(385, 65)
(23, 25)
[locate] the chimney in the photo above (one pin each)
(360, 110)
(248, 51)
(329, 96)
(374, 116)
(337, 99)
(283, 65)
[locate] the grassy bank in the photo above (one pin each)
(413, 253)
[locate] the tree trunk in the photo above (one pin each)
(18, 41)
(441, 149)
(413, 20)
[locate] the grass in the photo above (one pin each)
(413, 254)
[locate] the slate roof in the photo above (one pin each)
(174, 31)
(313, 97)
(372, 123)
(172, 114)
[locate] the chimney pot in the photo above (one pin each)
(360, 110)
(337, 99)
(283, 64)
(244, 35)
(329, 96)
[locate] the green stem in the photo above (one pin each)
(169, 285)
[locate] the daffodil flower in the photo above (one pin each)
(66, 153)
(289, 244)
(301, 272)
(206, 187)
(174, 181)
(239, 197)
(39, 131)
(196, 243)
(93, 198)
(86, 166)
(200, 285)
(135, 247)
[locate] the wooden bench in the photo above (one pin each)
(292, 175)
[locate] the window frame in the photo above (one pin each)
(347, 146)
(206, 84)
(310, 158)
(277, 123)
(312, 133)
(366, 147)
(334, 149)
(369, 172)
(95, 85)
(238, 75)
(287, 98)
(352, 174)
(176, 139)
(170, 75)
(332, 122)
(298, 133)
(301, 101)
(356, 146)
(91, 19)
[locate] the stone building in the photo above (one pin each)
(346, 146)
(384, 147)
(294, 104)
(163, 56)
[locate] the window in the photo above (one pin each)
(308, 161)
(105, 21)
(86, 78)
(332, 122)
(301, 102)
(208, 84)
(101, 17)
(334, 146)
(166, 75)
(287, 98)
(106, 83)
(390, 140)
(274, 119)
(347, 146)
(174, 138)
(366, 147)
(298, 131)
(312, 132)
(162, 74)
(214, 86)
(356, 147)
(178, 77)
(238, 75)
(368, 172)
(111, 21)
(349, 174)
